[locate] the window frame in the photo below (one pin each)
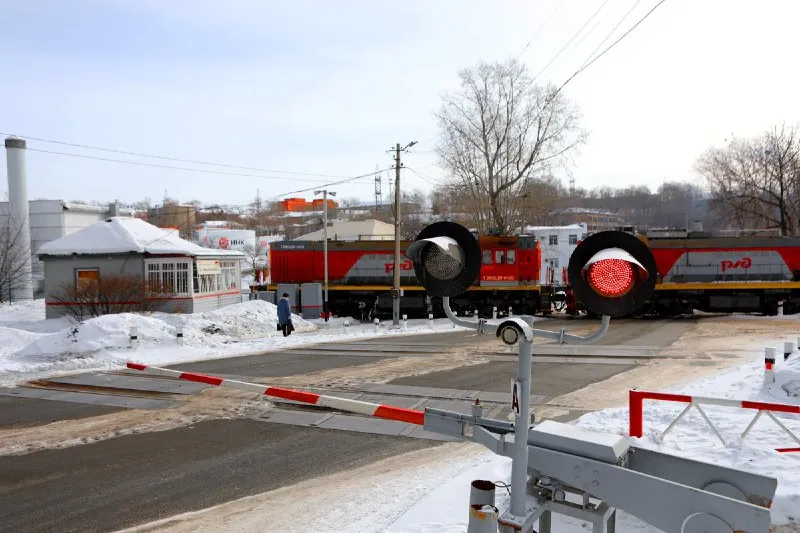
(552, 240)
(177, 277)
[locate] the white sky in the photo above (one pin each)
(326, 87)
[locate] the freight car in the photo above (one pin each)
(696, 272)
(360, 277)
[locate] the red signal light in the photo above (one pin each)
(611, 278)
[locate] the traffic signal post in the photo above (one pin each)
(612, 273)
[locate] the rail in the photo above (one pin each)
(636, 400)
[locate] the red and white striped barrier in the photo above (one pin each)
(636, 400)
(388, 412)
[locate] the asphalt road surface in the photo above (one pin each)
(134, 479)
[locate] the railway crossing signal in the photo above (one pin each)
(612, 274)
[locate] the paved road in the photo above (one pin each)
(133, 479)
(123, 482)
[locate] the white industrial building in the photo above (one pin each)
(557, 244)
(52, 219)
(372, 230)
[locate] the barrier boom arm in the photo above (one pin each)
(388, 412)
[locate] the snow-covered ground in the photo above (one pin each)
(32, 347)
(427, 491)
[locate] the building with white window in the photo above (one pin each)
(557, 244)
(192, 278)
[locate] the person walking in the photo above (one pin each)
(285, 315)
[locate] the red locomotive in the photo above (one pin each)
(696, 271)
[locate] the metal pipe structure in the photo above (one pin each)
(19, 232)
(522, 419)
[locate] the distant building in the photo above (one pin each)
(373, 230)
(301, 204)
(595, 219)
(53, 219)
(199, 279)
(557, 244)
(182, 217)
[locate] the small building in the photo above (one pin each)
(199, 279)
(557, 244)
(372, 230)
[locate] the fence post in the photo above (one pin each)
(635, 412)
(134, 335)
(179, 333)
(405, 322)
(769, 363)
(788, 348)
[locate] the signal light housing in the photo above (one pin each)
(612, 273)
(446, 257)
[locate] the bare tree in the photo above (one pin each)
(255, 257)
(500, 131)
(109, 295)
(14, 255)
(755, 183)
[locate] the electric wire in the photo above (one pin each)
(168, 158)
(188, 169)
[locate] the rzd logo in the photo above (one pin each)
(405, 265)
(741, 263)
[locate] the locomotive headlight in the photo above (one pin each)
(612, 273)
(446, 257)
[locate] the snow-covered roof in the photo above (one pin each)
(119, 235)
(348, 230)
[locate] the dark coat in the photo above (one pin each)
(284, 311)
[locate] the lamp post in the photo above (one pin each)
(325, 193)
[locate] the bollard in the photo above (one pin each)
(377, 324)
(510, 311)
(430, 319)
(179, 333)
(134, 334)
(788, 348)
(494, 313)
(769, 364)
(482, 512)
(346, 325)
(405, 322)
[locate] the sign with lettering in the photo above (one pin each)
(207, 267)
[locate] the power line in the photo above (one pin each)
(424, 178)
(612, 31)
(371, 174)
(168, 158)
(186, 169)
(536, 33)
(572, 39)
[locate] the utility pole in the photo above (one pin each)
(325, 194)
(396, 283)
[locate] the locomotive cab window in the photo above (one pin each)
(487, 257)
(511, 257)
(499, 256)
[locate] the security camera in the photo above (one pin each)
(446, 257)
(612, 273)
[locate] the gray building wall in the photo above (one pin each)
(60, 270)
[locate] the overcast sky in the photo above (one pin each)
(327, 87)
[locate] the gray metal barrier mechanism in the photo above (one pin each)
(554, 464)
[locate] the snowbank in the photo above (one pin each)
(34, 348)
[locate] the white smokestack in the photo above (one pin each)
(22, 289)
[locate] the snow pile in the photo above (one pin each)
(32, 347)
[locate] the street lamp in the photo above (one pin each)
(325, 193)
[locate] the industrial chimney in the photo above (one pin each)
(22, 287)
